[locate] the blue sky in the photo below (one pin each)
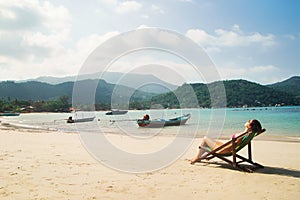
(254, 40)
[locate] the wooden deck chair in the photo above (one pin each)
(235, 147)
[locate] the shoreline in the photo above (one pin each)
(28, 129)
(287, 130)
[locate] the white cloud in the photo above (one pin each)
(229, 38)
(212, 50)
(240, 42)
(67, 62)
(57, 18)
(89, 43)
(201, 37)
(263, 69)
(122, 7)
(157, 9)
(290, 37)
(264, 74)
(21, 21)
(109, 2)
(128, 6)
(153, 47)
(32, 38)
(143, 26)
(24, 14)
(252, 73)
(7, 14)
(158, 64)
(145, 16)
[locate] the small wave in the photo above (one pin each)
(297, 138)
(26, 126)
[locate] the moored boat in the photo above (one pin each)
(117, 112)
(157, 123)
(87, 119)
(9, 114)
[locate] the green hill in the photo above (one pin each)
(291, 85)
(241, 92)
(37, 91)
(238, 93)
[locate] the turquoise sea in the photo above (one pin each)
(279, 121)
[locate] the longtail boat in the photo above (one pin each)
(157, 123)
(117, 112)
(78, 120)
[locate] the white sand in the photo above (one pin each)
(51, 165)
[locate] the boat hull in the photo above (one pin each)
(89, 119)
(158, 123)
(9, 114)
(117, 112)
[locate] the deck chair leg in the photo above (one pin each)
(250, 156)
(234, 165)
(249, 151)
(250, 161)
(233, 153)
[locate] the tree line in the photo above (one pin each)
(14, 105)
(239, 93)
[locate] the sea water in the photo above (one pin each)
(278, 121)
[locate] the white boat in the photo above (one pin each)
(117, 112)
(79, 120)
(8, 114)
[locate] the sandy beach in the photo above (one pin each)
(55, 165)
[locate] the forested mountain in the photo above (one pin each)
(131, 80)
(291, 85)
(238, 93)
(241, 92)
(37, 91)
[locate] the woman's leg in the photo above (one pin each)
(206, 142)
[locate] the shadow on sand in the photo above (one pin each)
(266, 170)
(279, 171)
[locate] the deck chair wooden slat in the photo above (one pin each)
(235, 148)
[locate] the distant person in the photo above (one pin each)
(146, 117)
(70, 120)
(251, 126)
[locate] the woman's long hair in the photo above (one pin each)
(255, 126)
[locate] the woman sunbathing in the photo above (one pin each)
(250, 127)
